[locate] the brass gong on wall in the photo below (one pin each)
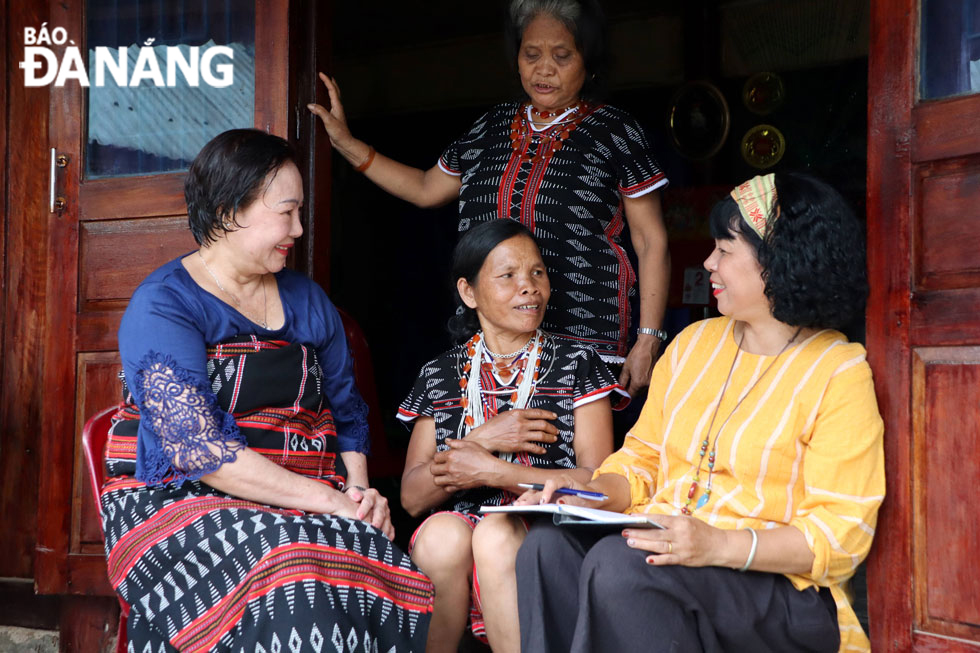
(763, 146)
(698, 120)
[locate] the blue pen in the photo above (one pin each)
(583, 494)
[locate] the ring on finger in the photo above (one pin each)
(670, 547)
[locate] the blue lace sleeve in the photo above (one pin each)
(187, 434)
(357, 432)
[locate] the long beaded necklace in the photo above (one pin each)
(469, 381)
(265, 306)
(714, 442)
(536, 145)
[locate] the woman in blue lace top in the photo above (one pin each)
(236, 511)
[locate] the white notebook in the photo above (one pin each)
(569, 515)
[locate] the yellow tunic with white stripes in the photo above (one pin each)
(804, 447)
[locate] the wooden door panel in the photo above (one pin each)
(98, 375)
(109, 199)
(98, 329)
(946, 250)
(98, 381)
(946, 432)
(923, 336)
(945, 128)
(116, 255)
(945, 317)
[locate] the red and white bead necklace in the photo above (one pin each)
(538, 143)
(528, 370)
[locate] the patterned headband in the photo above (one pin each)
(756, 200)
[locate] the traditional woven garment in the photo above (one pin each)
(205, 571)
(571, 200)
(571, 375)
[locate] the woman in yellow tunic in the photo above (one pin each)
(759, 450)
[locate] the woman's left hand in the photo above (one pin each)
(683, 541)
(372, 507)
(465, 465)
(639, 364)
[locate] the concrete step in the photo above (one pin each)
(27, 640)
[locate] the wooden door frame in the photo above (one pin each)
(905, 316)
(279, 109)
(23, 285)
(891, 52)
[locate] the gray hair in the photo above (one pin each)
(522, 12)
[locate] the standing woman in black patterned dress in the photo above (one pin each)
(575, 171)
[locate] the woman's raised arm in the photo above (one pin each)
(423, 188)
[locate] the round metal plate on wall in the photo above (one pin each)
(763, 146)
(698, 120)
(763, 93)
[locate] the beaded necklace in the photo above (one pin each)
(550, 114)
(714, 443)
(528, 373)
(504, 367)
(538, 144)
(495, 355)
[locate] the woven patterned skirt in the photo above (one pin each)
(203, 571)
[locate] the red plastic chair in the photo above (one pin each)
(94, 437)
(383, 461)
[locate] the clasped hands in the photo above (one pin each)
(367, 504)
(472, 461)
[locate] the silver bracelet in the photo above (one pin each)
(659, 334)
(755, 545)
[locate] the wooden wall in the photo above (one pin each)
(25, 112)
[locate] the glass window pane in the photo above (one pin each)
(949, 48)
(160, 124)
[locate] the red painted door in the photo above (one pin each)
(923, 320)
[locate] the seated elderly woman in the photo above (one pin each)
(759, 451)
(231, 519)
(510, 405)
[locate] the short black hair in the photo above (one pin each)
(470, 253)
(812, 257)
(228, 174)
(583, 18)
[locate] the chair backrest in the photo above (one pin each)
(94, 437)
(383, 461)
(95, 434)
